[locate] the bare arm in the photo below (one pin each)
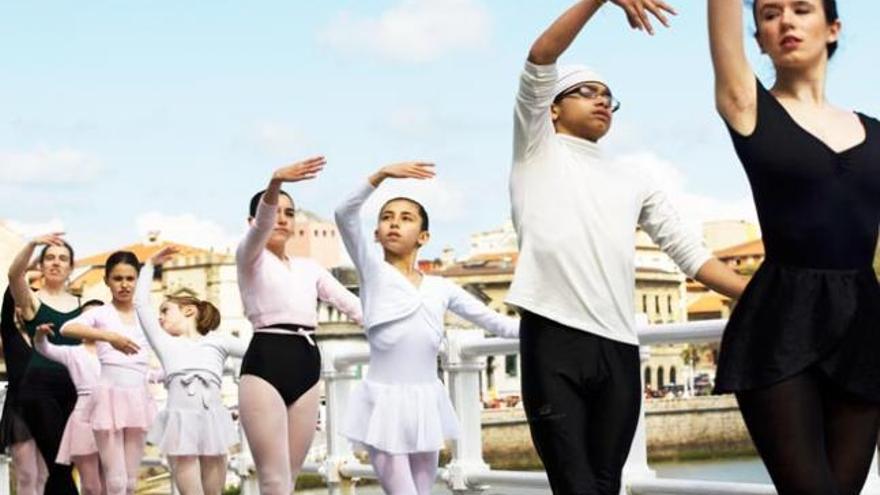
(735, 86)
(557, 38)
(719, 277)
(21, 290)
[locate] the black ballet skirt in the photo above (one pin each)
(814, 304)
(13, 429)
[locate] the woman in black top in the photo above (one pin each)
(30, 470)
(800, 348)
(47, 395)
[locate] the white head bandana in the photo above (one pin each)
(571, 75)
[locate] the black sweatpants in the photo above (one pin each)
(581, 395)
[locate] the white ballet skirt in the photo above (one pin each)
(401, 407)
(195, 421)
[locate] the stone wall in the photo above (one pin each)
(677, 428)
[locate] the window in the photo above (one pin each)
(660, 380)
(647, 376)
(672, 376)
(656, 304)
(644, 303)
(669, 304)
(510, 365)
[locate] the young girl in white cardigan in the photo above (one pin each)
(401, 412)
(195, 430)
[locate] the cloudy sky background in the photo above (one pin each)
(117, 118)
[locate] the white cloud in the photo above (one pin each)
(186, 228)
(443, 201)
(412, 30)
(694, 208)
(60, 166)
(28, 230)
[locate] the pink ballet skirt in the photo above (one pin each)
(115, 407)
(79, 438)
(195, 421)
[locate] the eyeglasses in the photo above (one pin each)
(591, 93)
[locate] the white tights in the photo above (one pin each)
(89, 467)
(199, 475)
(121, 452)
(266, 419)
(30, 468)
(405, 474)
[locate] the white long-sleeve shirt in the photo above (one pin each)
(387, 295)
(575, 213)
(179, 355)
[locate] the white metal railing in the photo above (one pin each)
(467, 472)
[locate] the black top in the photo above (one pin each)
(16, 350)
(48, 314)
(817, 208)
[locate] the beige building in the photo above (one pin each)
(316, 238)
(721, 234)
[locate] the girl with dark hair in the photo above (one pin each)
(123, 409)
(401, 412)
(800, 348)
(30, 469)
(195, 430)
(46, 394)
(78, 444)
(278, 392)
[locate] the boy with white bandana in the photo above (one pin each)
(576, 212)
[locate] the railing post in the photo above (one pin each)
(872, 484)
(636, 466)
(464, 389)
(242, 463)
(5, 480)
(337, 386)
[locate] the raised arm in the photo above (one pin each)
(557, 38)
(348, 220)
(18, 284)
(159, 340)
(348, 214)
(465, 305)
(257, 235)
(735, 85)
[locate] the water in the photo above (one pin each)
(738, 470)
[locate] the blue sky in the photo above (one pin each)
(116, 117)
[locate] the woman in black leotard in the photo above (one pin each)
(800, 348)
(30, 470)
(47, 394)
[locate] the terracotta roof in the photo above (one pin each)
(142, 251)
(751, 248)
(94, 265)
(709, 303)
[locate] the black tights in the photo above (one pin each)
(813, 438)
